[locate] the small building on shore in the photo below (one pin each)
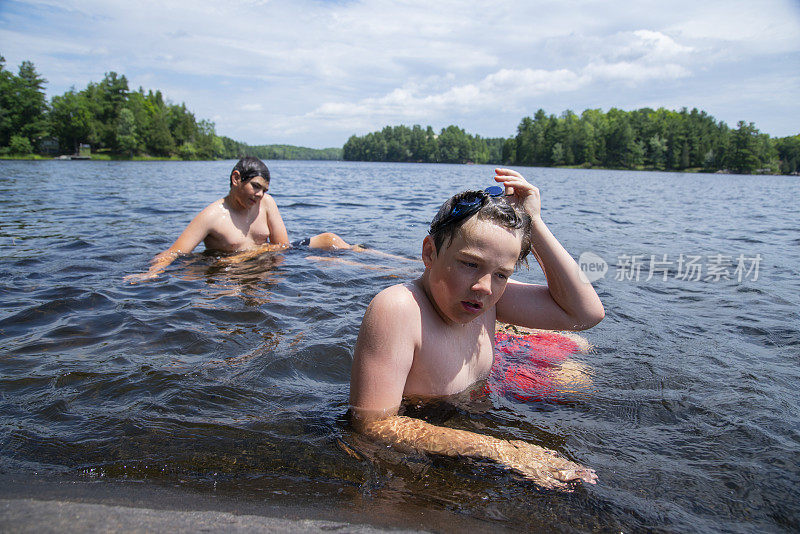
(48, 146)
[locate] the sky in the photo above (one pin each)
(314, 72)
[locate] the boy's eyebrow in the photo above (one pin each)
(477, 256)
(469, 254)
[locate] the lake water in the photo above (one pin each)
(231, 383)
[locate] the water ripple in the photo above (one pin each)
(216, 376)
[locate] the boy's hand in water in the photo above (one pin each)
(524, 194)
(139, 277)
(545, 467)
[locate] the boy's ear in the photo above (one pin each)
(235, 178)
(428, 251)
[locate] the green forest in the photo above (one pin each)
(643, 139)
(110, 121)
(116, 123)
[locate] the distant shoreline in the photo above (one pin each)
(102, 157)
(106, 157)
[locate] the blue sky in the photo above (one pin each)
(313, 73)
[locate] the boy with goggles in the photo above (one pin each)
(434, 336)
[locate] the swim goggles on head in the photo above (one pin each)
(468, 205)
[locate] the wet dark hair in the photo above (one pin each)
(495, 209)
(249, 167)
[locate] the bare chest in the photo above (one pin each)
(450, 361)
(233, 234)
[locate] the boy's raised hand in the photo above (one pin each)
(525, 195)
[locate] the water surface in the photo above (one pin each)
(232, 381)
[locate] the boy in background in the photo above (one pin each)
(247, 219)
(435, 336)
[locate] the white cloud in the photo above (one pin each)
(501, 89)
(635, 72)
(751, 27)
(512, 89)
(319, 71)
(655, 45)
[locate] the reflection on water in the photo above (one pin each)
(232, 379)
(250, 280)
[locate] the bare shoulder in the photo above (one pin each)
(392, 319)
(398, 303)
(269, 202)
(213, 211)
(269, 207)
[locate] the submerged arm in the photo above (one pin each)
(252, 253)
(186, 242)
(543, 466)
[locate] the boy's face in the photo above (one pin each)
(468, 276)
(250, 192)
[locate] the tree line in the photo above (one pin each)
(642, 139)
(117, 121)
(401, 143)
(659, 139)
(112, 119)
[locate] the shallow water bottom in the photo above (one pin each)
(37, 504)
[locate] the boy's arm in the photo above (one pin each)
(245, 255)
(566, 303)
(384, 353)
(190, 237)
(543, 466)
(277, 230)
